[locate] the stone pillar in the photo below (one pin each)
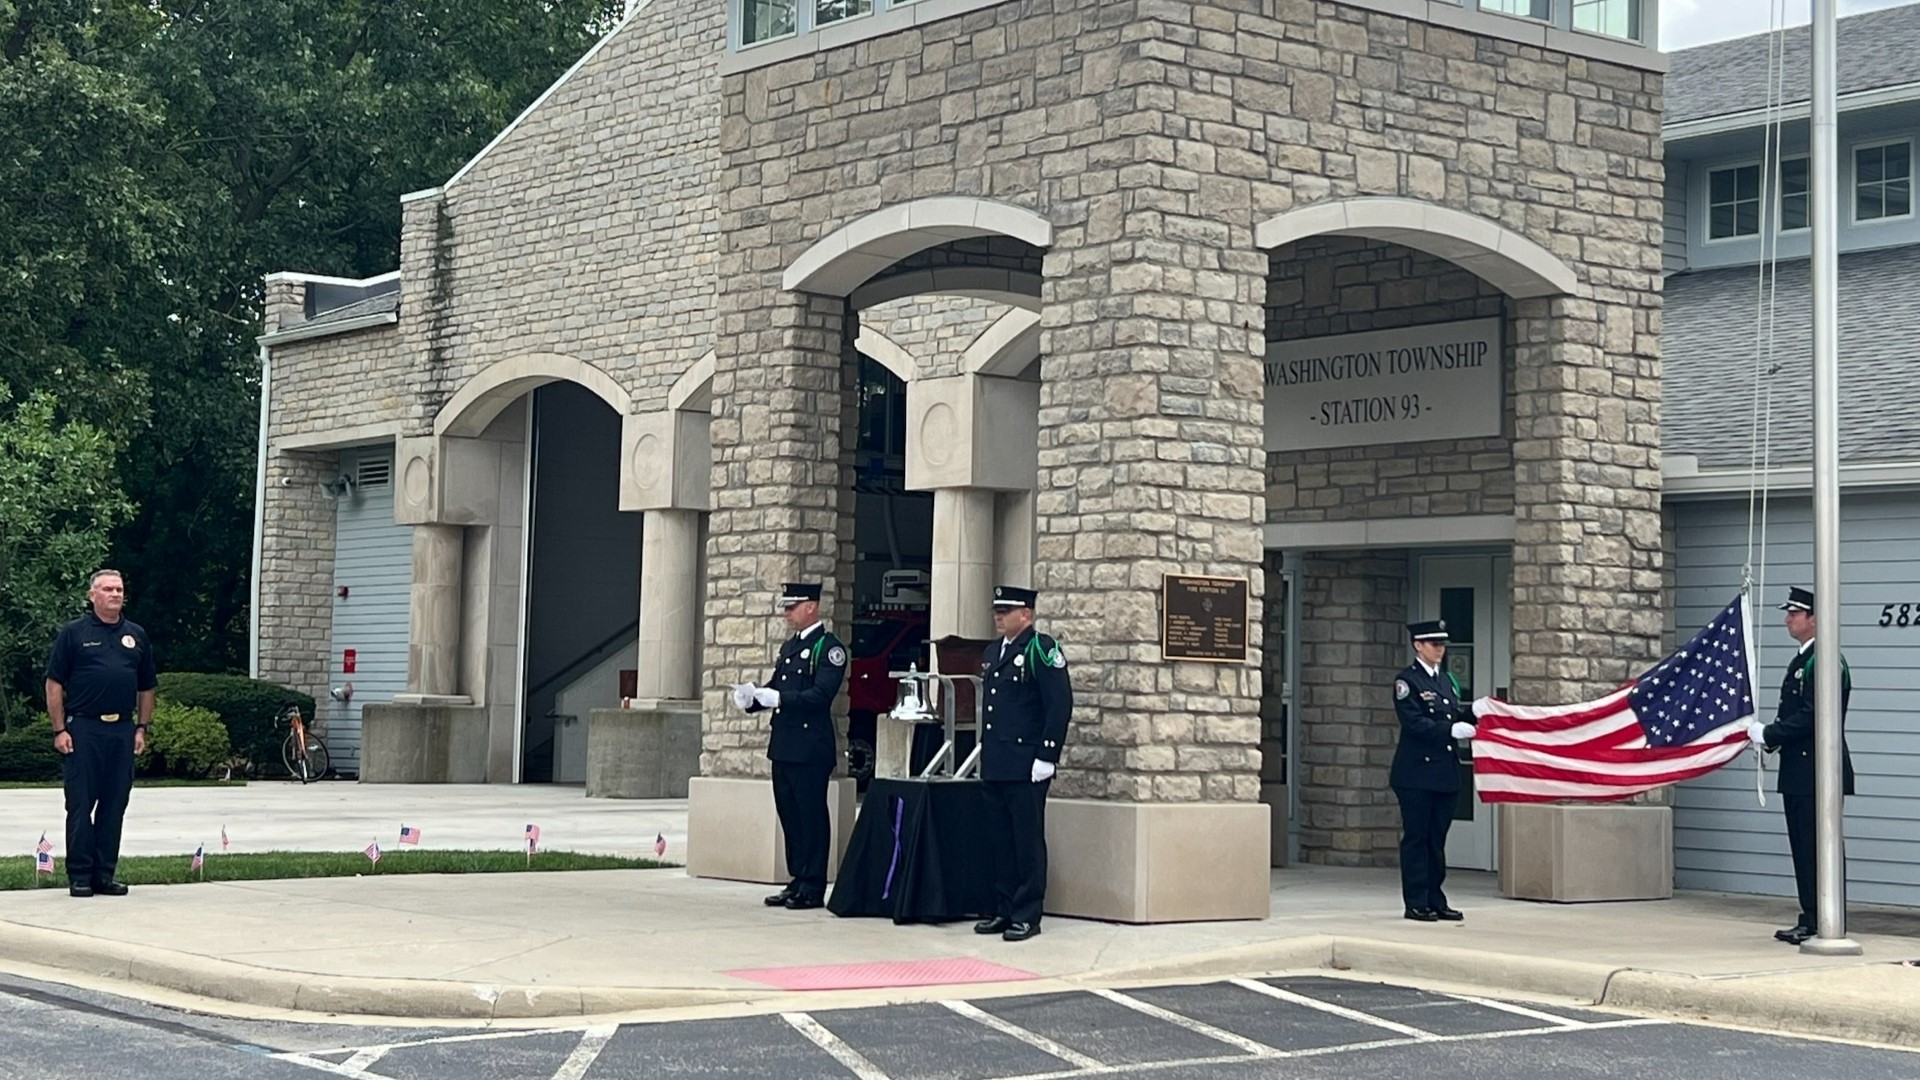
(1013, 539)
(1151, 463)
(669, 661)
(433, 624)
(778, 385)
(963, 563)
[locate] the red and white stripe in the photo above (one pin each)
(1592, 752)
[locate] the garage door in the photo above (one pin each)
(1723, 840)
(373, 562)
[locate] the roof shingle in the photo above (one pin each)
(1876, 49)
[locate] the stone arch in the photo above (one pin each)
(842, 261)
(888, 353)
(1015, 288)
(1007, 347)
(693, 390)
(485, 395)
(1518, 266)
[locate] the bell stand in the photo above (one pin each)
(912, 703)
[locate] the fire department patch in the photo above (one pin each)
(1401, 689)
(127, 640)
(1058, 659)
(837, 656)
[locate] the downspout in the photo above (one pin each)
(259, 512)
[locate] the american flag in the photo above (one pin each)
(44, 845)
(199, 858)
(223, 838)
(409, 835)
(533, 838)
(43, 861)
(1685, 717)
(373, 852)
(659, 844)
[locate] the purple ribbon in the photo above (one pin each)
(899, 808)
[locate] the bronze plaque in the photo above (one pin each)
(1203, 618)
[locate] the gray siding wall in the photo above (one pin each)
(1723, 839)
(1673, 240)
(373, 561)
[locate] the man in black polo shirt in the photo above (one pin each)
(100, 674)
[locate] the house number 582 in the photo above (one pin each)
(1898, 615)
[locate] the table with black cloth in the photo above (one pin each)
(919, 853)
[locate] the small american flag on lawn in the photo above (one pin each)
(373, 852)
(409, 835)
(43, 861)
(533, 838)
(659, 844)
(199, 858)
(223, 838)
(44, 845)
(1685, 717)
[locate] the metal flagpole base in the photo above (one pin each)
(1822, 946)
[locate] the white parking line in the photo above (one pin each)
(1188, 1022)
(828, 1041)
(1521, 1010)
(362, 1060)
(1033, 1039)
(1330, 1007)
(592, 1041)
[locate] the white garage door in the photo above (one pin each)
(1723, 839)
(373, 562)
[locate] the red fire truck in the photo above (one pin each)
(887, 637)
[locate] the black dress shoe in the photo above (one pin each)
(1448, 914)
(1020, 931)
(779, 899)
(1420, 914)
(798, 902)
(1794, 935)
(109, 888)
(79, 890)
(995, 925)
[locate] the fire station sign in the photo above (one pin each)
(1439, 381)
(1203, 618)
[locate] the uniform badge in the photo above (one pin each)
(837, 656)
(127, 640)
(1019, 661)
(1401, 689)
(1058, 659)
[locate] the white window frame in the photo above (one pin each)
(1706, 203)
(1484, 5)
(1780, 197)
(1853, 182)
(804, 23)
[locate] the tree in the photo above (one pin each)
(58, 499)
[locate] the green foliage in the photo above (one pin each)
(184, 741)
(273, 865)
(27, 753)
(246, 707)
(58, 499)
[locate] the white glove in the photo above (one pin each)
(1462, 729)
(742, 695)
(1481, 706)
(1757, 731)
(767, 699)
(1042, 770)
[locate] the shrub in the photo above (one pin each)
(185, 741)
(246, 706)
(27, 753)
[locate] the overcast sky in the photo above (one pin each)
(1686, 23)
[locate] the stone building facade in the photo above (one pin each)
(1076, 228)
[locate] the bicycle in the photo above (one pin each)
(304, 753)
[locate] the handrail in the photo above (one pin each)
(588, 659)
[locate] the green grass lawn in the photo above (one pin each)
(18, 873)
(16, 785)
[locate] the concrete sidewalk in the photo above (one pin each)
(500, 947)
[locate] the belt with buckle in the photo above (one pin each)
(109, 717)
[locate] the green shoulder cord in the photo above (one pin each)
(813, 658)
(1458, 693)
(1034, 656)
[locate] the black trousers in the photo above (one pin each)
(99, 779)
(1017, 822)
(1425, 818)
(800, 798)
(1803, 839)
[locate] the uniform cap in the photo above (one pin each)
(1012, 596)
(1798, 599)
(795, 592)
(1428, 631)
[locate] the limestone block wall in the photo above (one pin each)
(1346, 285)
(327, 384)
(935, 330)
(296, 572)
(1353, 639)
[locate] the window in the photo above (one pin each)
(1525, 9)
(1796, 210)
(828, 12)
(1882, 181)
(1733, 202)
(1614, 18)
(764, 20)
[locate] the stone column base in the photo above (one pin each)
(1158, 862)
(1572, 854)
(423, 744)
(647, 752)
(733, 832)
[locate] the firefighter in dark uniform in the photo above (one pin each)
(100, 682)
(1792, 734)
(806, 678)
(1426, 771)
(1029, 701)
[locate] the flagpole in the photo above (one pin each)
(1831, 938)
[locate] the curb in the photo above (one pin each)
(1767, 1004)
